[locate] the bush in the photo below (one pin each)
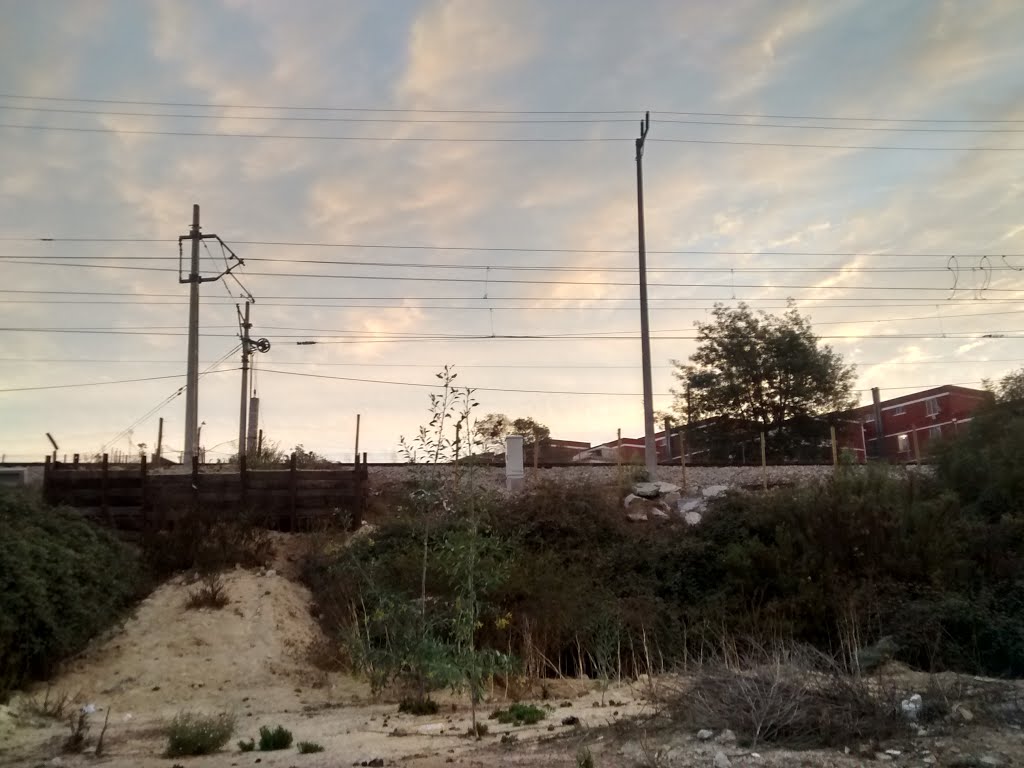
(210, 594)
(247, 746)
(201, 541)
(519, 714)
(64, 580)
(478, 731)
(309, 747)
(418, 706)
(272, 739)
(191, 734)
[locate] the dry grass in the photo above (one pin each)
(211, 593)
(789, 696)
(53, 705)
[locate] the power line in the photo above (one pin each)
(464, 120)
(490, 139)
(637, 111)
(101, 383)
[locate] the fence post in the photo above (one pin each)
(47, 481)
(917, 447)
(104, 477)
(74, 460)
(291, 491)
(682, 455)
(764, 464)
(835, 450)
(195, 483)
(143, 493)
(243, 478)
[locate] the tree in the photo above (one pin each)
(761, 368)
(492, 429)
(1011, 387)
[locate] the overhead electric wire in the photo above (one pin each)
(102, 383)
(491, 139)
(424, 110)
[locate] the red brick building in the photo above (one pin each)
(903, 429)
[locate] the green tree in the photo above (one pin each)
(762, 368)
(492, 429)
(1011, 387)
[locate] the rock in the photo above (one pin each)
(647, 490)
(672, 499)
(882, 757)
(692, 518)
(691, 504)
(727, 737)
(711, 491)
(963, 713)
(629, 500)
(666, 488)
(271, 572)
(705, 735)
(636, 517)
(893, 752)
(659, 514)
(991, 761)
(928, 759)
(912, 707)
(722, 760)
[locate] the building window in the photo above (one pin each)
(935, 433)
(899, 410)
(903, 443)
(931, 406)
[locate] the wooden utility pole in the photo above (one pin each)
(650, 448)
(358, 417)
(159, 443)
(835, 451)
(243, 409)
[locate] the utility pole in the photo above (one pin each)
(194, 279)
(650, 448)
(192, 376)
(244, 406)
(159, 443)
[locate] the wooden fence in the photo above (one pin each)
(136, 499)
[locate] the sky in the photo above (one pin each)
(410, 184)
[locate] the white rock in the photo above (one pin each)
(711, 491)
(691, 505)
(646, 490)
(637, 517)
(911, 707)
(271, 572)
(928, 759)
(705, 734)
(692, 518)
(727, 737)
(629, 500)
(722, 760)
(893, 752)
(660, 514)
(667, 488)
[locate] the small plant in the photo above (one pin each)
(309, 747)
(477, 731)
(247, 746)
(79, 726)
(192, 733)
(103, 733)
(272, 739)
(519, 714)
(583, 758)
(418, 706)
(52, 706)
(210, 594)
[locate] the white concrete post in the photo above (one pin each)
(514, 462)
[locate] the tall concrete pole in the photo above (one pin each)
(192, 378)
(650, 448)
(244, 406)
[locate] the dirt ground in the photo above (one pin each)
(249, 658)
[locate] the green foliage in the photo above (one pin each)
(418, 706)
(1011, 387)
(477, 730)
(490, 431)
(203, 541)
(272, 739)
(192, 733)
(519, 714)
(62, 580)
(247, 746)
(309, 747)
(760, 368)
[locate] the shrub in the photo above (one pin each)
(65, 579)
(192, 733)
(201, 541)
(247, 746)
(276, 738)
(519, 714)
(209, 594)
(51, 706)
(309, 747)
(411, 706)
(584, 759)
(478, 731)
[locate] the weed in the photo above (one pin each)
(193, 733)
(210, 594)
(418, 706)
(272, 739)
(309, 747)
(519, 714)
(79, 727)
(103, 733)
(478, 731)
(584, 759)
(53, 707)
(247, 746)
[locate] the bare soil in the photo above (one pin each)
(250, 658)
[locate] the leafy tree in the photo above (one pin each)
(761, 368)
(1011, 387)
(492, 429)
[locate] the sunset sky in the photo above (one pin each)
(410, 182)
